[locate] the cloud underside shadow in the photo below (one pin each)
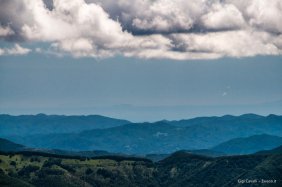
(178, 29)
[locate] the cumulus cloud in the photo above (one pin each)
(223, 16)
(177, 29)
(5, 31)
(16, 50)
(155, 16)
(260, 14)
(232, 43)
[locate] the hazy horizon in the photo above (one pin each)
(140, 90)
(142, 62)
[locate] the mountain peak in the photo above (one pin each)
(251, 116)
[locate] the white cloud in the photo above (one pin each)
(16, 50)
(162, 16)
(155, 16)
(5, 31)
(76, 27)
(264, 15)
(223, 16)
(2, 52)
(38, 50)
(177, 29)
(230, 43)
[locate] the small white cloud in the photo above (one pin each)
(5, 31)
(226, 91)
(38, 50)
(2, 52)
(16, 50)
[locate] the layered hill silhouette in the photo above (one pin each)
(72, 158)
(24, 125)
(8, 146)
(277, 150)
(249, 145)
(160, 137)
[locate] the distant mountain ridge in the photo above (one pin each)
(249, 145)
(45, 124)
(220, 119)
(159, 137)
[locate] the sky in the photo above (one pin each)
(145, 60)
